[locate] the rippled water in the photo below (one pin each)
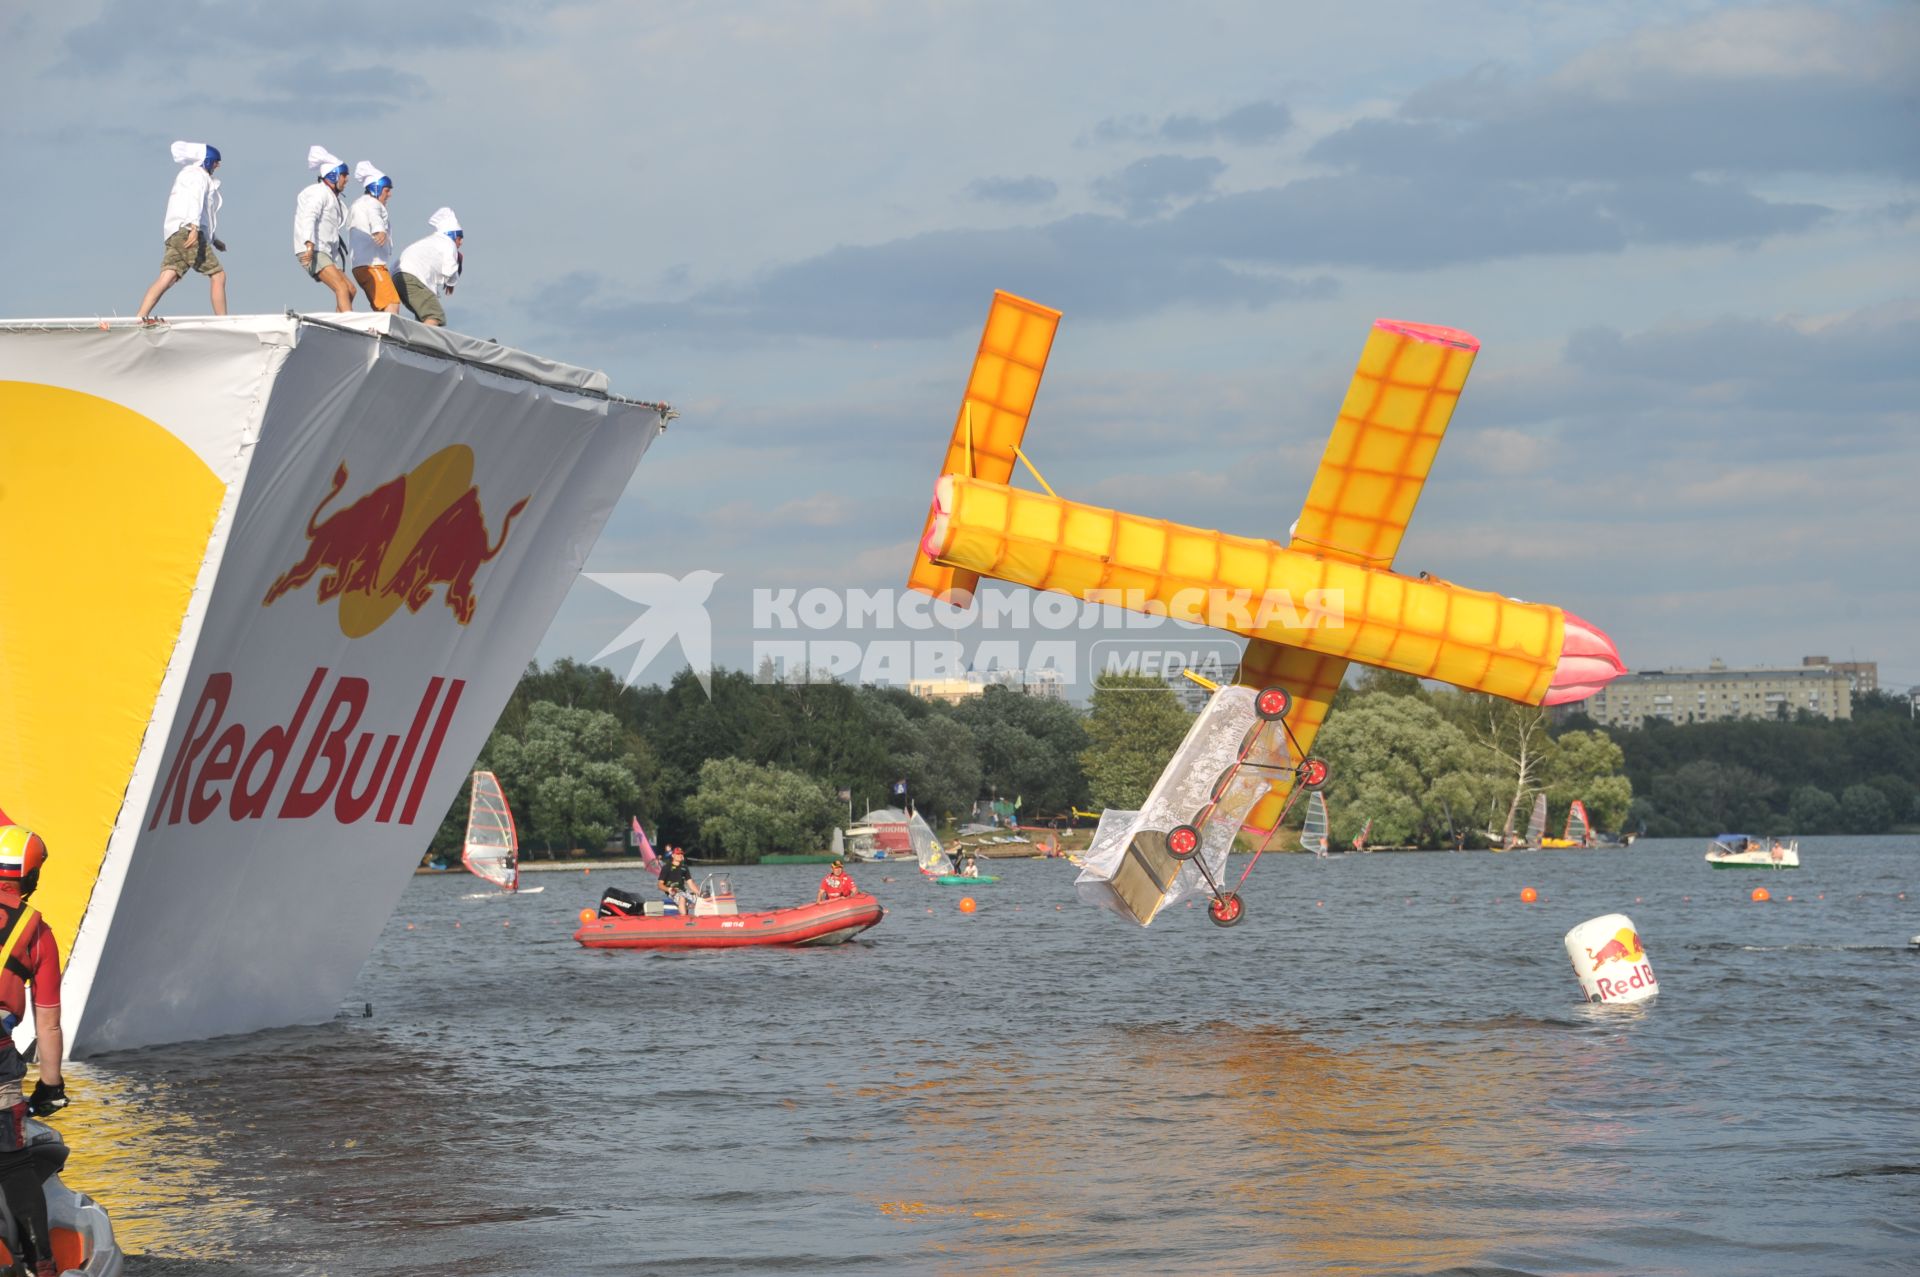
(1385, 1068)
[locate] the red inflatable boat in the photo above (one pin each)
(830, 923)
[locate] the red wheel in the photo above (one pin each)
(1272, 703)
(1314, 773)
(1226, 910)
(1183, 842)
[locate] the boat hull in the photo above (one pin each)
(1755, 864)
(966, 880)
(834, 922)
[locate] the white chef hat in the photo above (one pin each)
(365, 173)
(443, 220)
(189, 152)
(319, 157)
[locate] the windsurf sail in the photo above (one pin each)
(648, 861)
(1577, 829)
(1360, 839)
(492, 849)
(1313, 834)
(1537, 823)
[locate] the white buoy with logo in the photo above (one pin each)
(1608, 958)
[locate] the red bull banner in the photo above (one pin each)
(284, 575)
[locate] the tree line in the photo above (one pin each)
(1807, 775)
(758, 766)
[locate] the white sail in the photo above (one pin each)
(1577, 830)
(492, 849)
(1313, 834)
(1537, 823)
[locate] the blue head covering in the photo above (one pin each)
(213, 157)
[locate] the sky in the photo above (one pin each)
(1686, 234)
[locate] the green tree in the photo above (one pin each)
(1030, 747)
(1586, 766)
(1395, 760)
(1813, 811)
(1134, 724)
(1865, 810)
(572, 776)
(747, 809)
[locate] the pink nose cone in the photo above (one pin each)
(934, 544)
(1588, 662)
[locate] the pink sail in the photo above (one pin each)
(647, 858)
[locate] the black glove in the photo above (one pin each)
(47, 1099)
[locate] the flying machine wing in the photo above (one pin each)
(1383, 444)
(993, 418)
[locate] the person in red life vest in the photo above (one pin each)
(29, 956)
(837, 885)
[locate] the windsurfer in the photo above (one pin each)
(676, 881)
(837, 885)
(31, 956)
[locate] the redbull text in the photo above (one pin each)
(218, 765)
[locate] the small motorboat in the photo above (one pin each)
(1740, 851)
(82, 1235)
(717, 922)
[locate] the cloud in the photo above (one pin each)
(162, 36)
(1013, 190)
(1147, 187)
(1737, 93)
(1253, 124)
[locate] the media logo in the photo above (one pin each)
(392, 545)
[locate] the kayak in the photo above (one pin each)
(965, 880)
(814, 924)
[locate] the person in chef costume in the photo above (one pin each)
(319, 225)
(191, 228)
(370, 238)
(429, 268)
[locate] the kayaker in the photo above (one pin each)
(969, 867)
(676, 882)
(29, 955)
(837, 885)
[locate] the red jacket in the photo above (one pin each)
(837, 885)
(28, 955)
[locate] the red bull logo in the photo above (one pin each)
(391, 546)
(1624, 947)
(1625, 964)
(221, 766)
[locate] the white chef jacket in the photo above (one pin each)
(318, 216)
(433, 260)
(366, 218)
(194, 201)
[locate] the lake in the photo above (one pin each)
(1386, 1068)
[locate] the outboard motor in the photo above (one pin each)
(82, 1237)
(615, 903)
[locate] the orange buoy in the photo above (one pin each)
(409, 926)
(1528, 895)
(1761, 893)
(967, 905)
(586, 916)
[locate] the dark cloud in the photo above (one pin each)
(1249, 125)
(1013, 190)
(1148, 187)
(1753, 103)
(929, 285)
(165, 34)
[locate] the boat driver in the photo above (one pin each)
(676, 882)
(29, 955)
(837, 885)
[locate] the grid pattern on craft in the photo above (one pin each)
(1428, 628)
(998, 401)
(1390, 426)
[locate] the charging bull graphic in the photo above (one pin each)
(394, 544)
(1623, 947)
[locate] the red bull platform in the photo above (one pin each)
(270, 580)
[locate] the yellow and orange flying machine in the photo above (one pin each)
(1336, 568)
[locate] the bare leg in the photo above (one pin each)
(159, 289)
(433, 323)
(219, 287)
(334, 278)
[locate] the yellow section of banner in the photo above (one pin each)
(104, 519)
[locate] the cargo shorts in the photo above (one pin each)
(419, 299)
(182, 260)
